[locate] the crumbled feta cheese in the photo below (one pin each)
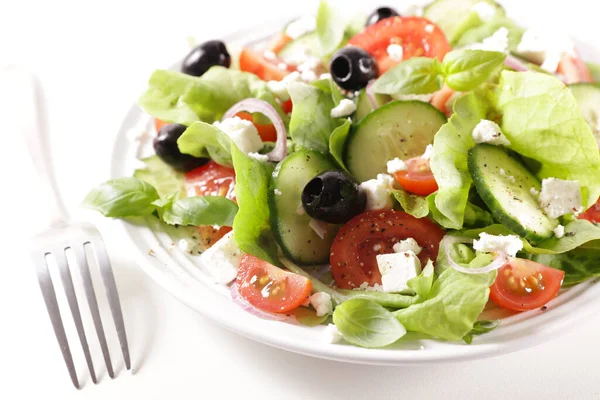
(326, 75)
(344, 108)
(310, 69)
(308, 76)
(365, 286)
(396, 165)
(502, 172)
(497, 42)
(397, 269)
(559, 197)
(300, 26)
(332, 334)
(408, 244)
(545, 47)
(188, 246)
(420, 97)
(395, 52)
(378, 192)
(534, 192)
(320, 227)
(559, 231)
(277, 192)
(429, 28)
(410, 10)
(222, 259)
(509, 244)
(427, 154)
(489, 132)
(242, 132)
(486, 11)
(281, 88)
(259, 157)
(321, 302)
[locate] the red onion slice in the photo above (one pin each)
(371, 94)
(498, 261)
(260, 106)
(243, 303)
(516, 64)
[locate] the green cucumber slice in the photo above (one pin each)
(299, 242)
(400, 129)
(300, 48)
(505, 186)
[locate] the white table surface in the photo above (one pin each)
(94, 60)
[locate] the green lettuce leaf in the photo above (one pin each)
(464, 70)
(367, 324)
(330, 29)
(411, 203)
(311, 124)
(417, 75)
(422, 284)
(579, 264)
(337, 143)
(477, 34)
(251, 226)
(543, 122)
(166, 180)
(480, 328)
(594, 70)
(205, 140)
(122, 198)
(176, 97)
(200, 210)
(449, 161)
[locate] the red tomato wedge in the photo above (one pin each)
(523, 285)
(592, 214)
(267, 70)
(418, 178)
(267, 132)
(287, 106)
(355, 247)
(440, 99)
(574, 69)
(270, 288)
(279, 42)
(159, 124)
(418, 37)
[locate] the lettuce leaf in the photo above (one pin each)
(478, 33)
(544, 124)
(330, 29)
(579, 264)
(205, 140)
(166, 180)
(176, 97)
(411, 203)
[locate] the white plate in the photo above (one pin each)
(182, 276)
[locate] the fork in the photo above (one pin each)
(62, 235)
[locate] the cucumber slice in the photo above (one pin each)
(587, 96)
(455, 17)
(504, 185)
(299, 242)
(300, 48)
(400, 129)
(364, 106)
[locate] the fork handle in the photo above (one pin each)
(30, 115)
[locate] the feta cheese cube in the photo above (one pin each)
(378, 192)
(559, 231)
(222, 259)
(242, 132)
(397, 269)
(489, 132)
(427, 154)
(280, 88)
(559, 197)
(509, 244)
(395, 52)
(408, 244)
(484, 10)
(396, 165)
(344, 108)
(321, 302)
(332, 334)
(497, 42)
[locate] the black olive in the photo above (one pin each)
(204, 56)
(381, 13)
(352, 68)
(165, 146)
(333, 197)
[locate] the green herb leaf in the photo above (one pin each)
(122, 197)
(464, 70)
(422, 284)
(337, 143)
(166, 180)
(200, 210)
(367, 324)
(417, 75)
(579, 264)
(411, 203)
(205, 140)
(479, 328)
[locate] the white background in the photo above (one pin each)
(94, 60)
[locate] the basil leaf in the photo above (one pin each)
(337, 143)
(205, 140)
(166, 180)
(330, 29)
(367, 324)
(464, 70)
(411, 203)
(122, 197)
(200, 210)
(417, 75)
(479, 328)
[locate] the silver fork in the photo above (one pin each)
(62, 235)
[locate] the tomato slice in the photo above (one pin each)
(279, 42)
(523, 285)
(159, 124)
(440, 99)
(418, 37)
(574, 69)
(287, 106)
(267, 70)
(417, 178)
(270, 288)
(592, 214)
(267, 132)
(354, 250)
(210, 179)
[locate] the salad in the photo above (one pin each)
(402, 171)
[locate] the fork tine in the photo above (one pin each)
(113, 295)
(67, 281)
(49, 295)
(90, 294)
